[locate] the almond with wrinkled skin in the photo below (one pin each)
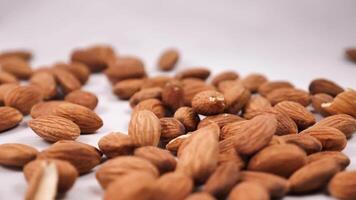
(83, 98)
(168, 59)
(6, 77)
(275, 185)
(194, 72)
(149, 93)
(45, 108)
(223, 76)
(351, 54)
(230, 155)
(248, 190)
(193, 86)
(222, 180)
(126, 88)
(342, 159)
(326, 86)
(79, 70)
(153, 105)
(9, 118)
(172, 95)
(317, 100)
(270, 86)
(66, 80)
(175, 143)
(289, 94)
(342, 185)
(145, 128)
(208, 102)
(23, 98)
(120, 166)
(4, 89)
(82, 156)
(343, 103)
(162, 159)
(221, 120)
(331, 138)
(342, 122)
(116, 144)
(188, 117)
(16, 66)
(282, 160)
(156, 81)
(253, 81)
(199, 157)
(54, 128)
(16, 155)
(67, 174)
(255, 104)
(46, 82)
(171, 128)
(23, 54)
(125, 68)
(236, 98)
(308, 143)
(173, 186)
(200, 196)
(313, 176)
(300, 115)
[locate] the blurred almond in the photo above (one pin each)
(145, 128)
(194, 72)
(208, 102)
(171, 128)
(153, 105)
(317, 100)
(308, 143)
(188, 117)
(172, 95)
(342, 160)
(253, 81)
(220, 119)
(255, 104)
(79, 70)
(116, 144)
(343, 103)
(223, 76)
(83, 98)
(191, 87)
(127, 67)
(126, 88)
(156, 81)
(23, 54)
(45, 108)
(200, 196)
(16, 155)
(342, 185)
(66, 80)
(6, 77)
(168, 59)
(248, 190)
(289, 94)
(16, 66)
(4, 89)
(46, 81)
(175, 143)
(270, 86)
(162, 159)
(9, 118)
(149, 93)
(342, 122)
(326, 86)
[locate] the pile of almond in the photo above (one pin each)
(229, 137)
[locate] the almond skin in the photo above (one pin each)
(221, 120)
(171, 128)
(149, 93)
(270, 86)
(156, 81)
(153, 105)
(236, 97)
(82, 156)
(168, 59)
(317, 100)
(9, 118)
(342, 185)
(289, 94)
(79, 70)
(116, 144)
(344, 103)
(342, 160)
(46, 81)
(175, 143)
(194, 72)
(54, 128)
(200, 196)
(253, 81)
(342, 122)
(306, 142)
(6, 77)
(248, 190)
(126, 88)
(145, 128)
(16, 155)
(16, 66)
(66, 80)
(45, 108)
(255, 104)
(23, 54)
(4, 89)
(326, 86)
(118, 167)
(351, 54)
(125, 68)
(230, 155)
(223, 76)
(281, 160)
(172, 95)
(188, 117)
(208, 102)
(191, 87)
(83, 98)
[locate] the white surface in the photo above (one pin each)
(295, 40)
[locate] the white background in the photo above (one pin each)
(294, 40)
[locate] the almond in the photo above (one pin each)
(229, 155)
(317, 100)
(6, 77)
(194, 72)
(326, 86)
(126, 88)
(116, 144)
(9, 118)
(168, 59)
(149, 93)
(45, 108)
(117, 168)
(221, 120)
(248, 190)
(351, 54)
(171, 128)
(200, 196)
(306, 142)
(125, 68)
(66, 80)
(54, 128)
(270, 86)
(83, 98)
(4, 89)
(224, 76)
(16, 155)
(253, 81)
(344, 103)
(342, 122)
(16, 66)
(208, 102)
(153, 105)
(175, 143)
(289, 94)
(172, 95)
(23, 54)
(224, 86)
(236, 98)
(255, 104)
(157, 81)
(79, 70)
(282, 160)
(188, 117)
(82, 156)
(342, 185)
(338, 156)
(193, 86)
(46, 82)
(145, 128)
(162, 159)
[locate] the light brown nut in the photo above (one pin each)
(153, 105)
(344, 103)
(47, 82)
(79, 70)
(342, 159)
(172, 95)
(248, 190)
(95, 57)
(67, 174)
(200, 196)
(162, 159)
(9, 118)
(4, 89)
(313, 176)
(156, 81)
(126, 88)
(326, 86)
(289, 94)
(118, 167)
(6, 77)
(317, 100)
(116, 144)
(236, 97)
(141, 187)
(54, 128)
(16, 66)
(221, 120)
(188, 117)
(23, 54)
(168, 59)
(149, 93)
(45, 108)
(208, 102)
(171, 128)
(298, 113)
(193, 86)
(16, 155)
(270, 86)
(330, 138)
(282, 160)
(173, 186)
(229, 155)
(224, 86)
(222, 180)
(351, 54)
(277, 140)
(145, 128)
(342, 185)
(194, 72)
(125, 68)
(82, 156)
(67, 81)
(224, 76)
(306, 142)
(175, 143)
(255, 104)
(199, 157)
(23, 98)
(275, 185)
(253, 81)
(342, 122)
(83, 98)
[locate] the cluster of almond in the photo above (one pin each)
(234, 138)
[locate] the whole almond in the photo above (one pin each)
(173, 186)
(344, 103)
(228, 154)
(351, 54)
(223, 76)
(54, 128)
(270, 86)
(225, 86)
(342, 122)
(248, 190)
(79, 70)
(208, 102)
(16, 155)
(116, 144)
(194, 72)
(289, 94)
(162, 159)
(82, 156)
(326, 86)
(307, 142)
(9, 118)
(317, 100)
(188, 117)
(342, 159)
(45, 108)
(47, 83)
(236, 98)
(253, 81)
(145, 128)
(66, 80)
(255, 104)
(221, 120)
(171, 128)
(200, 196)
(83, 98)
(175, 143)
(153, 105)
(6, 77)
(125, 68)
(168, 59)
(156, 81)
(193, 86)
(4, 89)
(282, 160)
(149, 93)
(16, 66)
(120, 166)
(342, 185)
(24, 54)
(172, 95)
(126, 88)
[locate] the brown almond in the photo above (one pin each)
(351, 54)
(16, 155)
(326, 86)
(127, 67)
(194, 72)
(9, 118)
(175, 143)
(270, 86)
(126, 88)
(16, 66)
(342, 122)
(236, 97)
(168, 59)
(255, 104)
(23, 54)
(200, 196)
(253, 81)
(208, 102)
(83, 98)
(289, 94)
(342, 185)
(224, 86)
(6, 77)
(221, 120)
(45, 108)
(149, 93)
(4, 89)
(153, 105)
(172, 95)
(188, 117)
(342, 159)
(46, 81)
(193, 86)
(156, 81)
(317, 100)
(145, 128)
(224, 76)
(171, 128)
(116, 144)
(343, 103)
(66, 80)
(306, 142)
(162, 159)
(79, 70)
(230, 155)
(248, 190)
